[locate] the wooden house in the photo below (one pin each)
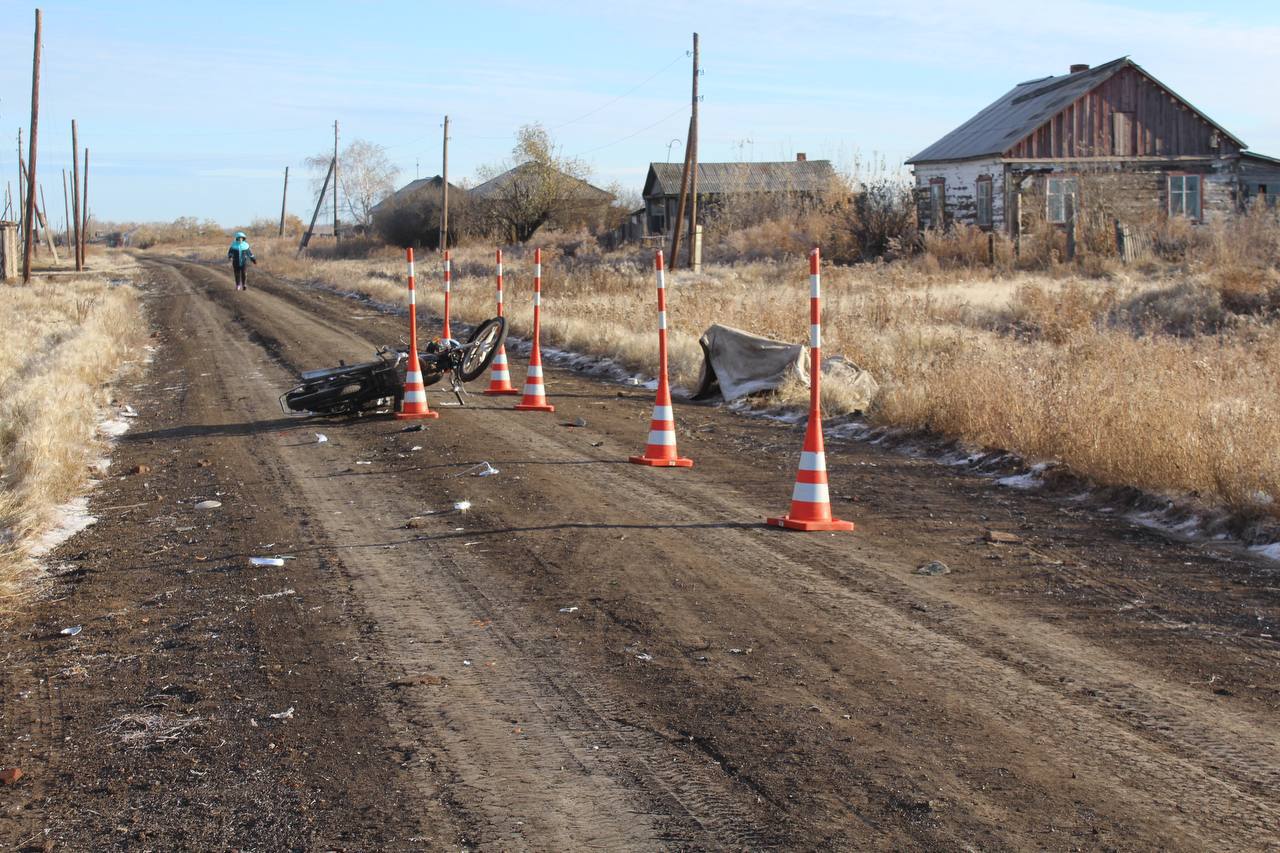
(1111, 134)
(720, 183)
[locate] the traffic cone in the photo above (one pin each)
(500, 378)
(448, 277)
(810, 500)
(415, 393)
(660, 452)
(535, 397)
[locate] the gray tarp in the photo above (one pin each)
(743, 363)
(736, 363)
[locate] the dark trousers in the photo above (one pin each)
(240, 275)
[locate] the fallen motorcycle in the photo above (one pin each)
(374, 386)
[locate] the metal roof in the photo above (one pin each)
(726, 178)
(1026, 107)
(413, 188)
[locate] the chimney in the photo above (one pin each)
(801, 157)
(1079, 66)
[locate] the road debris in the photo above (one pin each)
(462, 506)
(740, 651)
(934, 567)
(286, 714)
(573, 609)
(266, 561)
(10, 775)
(321, 438)
(484, 469)
(279, 594)
(413, 428)
(1000, 537)
(70, 632)
(644, 656)
(208, 504)
(128, 411)
(140, 469)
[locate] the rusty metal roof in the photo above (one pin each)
(1026, 107)
(728, 178)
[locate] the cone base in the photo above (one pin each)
(799, 524)
(679, 462)
(413, 416)
(534, 407)
(501, 392)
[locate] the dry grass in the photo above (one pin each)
(1133, 380)
(66, 338)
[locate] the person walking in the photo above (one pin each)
(240, 255)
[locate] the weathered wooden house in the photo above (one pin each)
(1111, 134)
(427, 191)
(753, 184)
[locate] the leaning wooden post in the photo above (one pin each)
(306, 235)
(84, 213)
(31, 158)
(284, 199)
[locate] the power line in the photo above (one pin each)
(632, 90)
(678, 109)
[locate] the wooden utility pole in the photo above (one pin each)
(284, 198)
(684, 199)
(693, 161)
(84, 213)
(306, 235)
(21, 207)
(66, 209)
(44, 226)
(444, 207)
(335, 180)
(31, 160)
(75, 193)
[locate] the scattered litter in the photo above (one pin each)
(1000, 537)
(576, 422)
(934, 567)
(266, 561)
(597, 444)
(10, 775)
(415, 448)
(462, 506)
(466, 663)
(321, 438)
(413, 428)
(253, 722)
(644, 656)
(286, 714)
(70, 632)
(140, 469)
(128, 411)
(739, 651)
(469, 544)
(208, 504)
(484, 469)
(139, 731)
(279, 594)
(362, 462)
(573, 609)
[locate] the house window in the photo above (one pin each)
(1184, 196)
(937, 202)
(983, 197)
(1057, 191)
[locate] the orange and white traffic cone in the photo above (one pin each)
(660, 451)
(810, 500)
(535, 395)
(500, 378)
(448, 277)
(415, 393)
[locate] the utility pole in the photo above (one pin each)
(335, 180)
(31, 176)
(66, 209)
(21, 208)
(444, 207)
(693, 165)
(75, 193)
(284, 198)
(306, 235)
(44, 226)
(84, 213)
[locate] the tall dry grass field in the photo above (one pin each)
(65, 340)
(1130, 380)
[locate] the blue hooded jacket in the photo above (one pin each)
(240, 253)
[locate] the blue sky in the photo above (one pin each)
(195, 109)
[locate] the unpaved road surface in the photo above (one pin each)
(599, 655)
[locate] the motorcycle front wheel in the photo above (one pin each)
(482, 347)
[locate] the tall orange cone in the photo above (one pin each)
(500, 378)
(660, 452)
(810, 501)
(535, 395)
(415, 393)
(448, 277)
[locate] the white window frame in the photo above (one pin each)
(1055, 202)
(984, 208)
(1179, 193)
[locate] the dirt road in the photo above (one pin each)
(603, 656)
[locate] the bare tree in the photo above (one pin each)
(538, 186)
(367, 177)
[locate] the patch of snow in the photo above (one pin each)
(72, 517)
(115, 427)
(1271, 552)
(1029, 480)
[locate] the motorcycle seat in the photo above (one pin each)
(327, 372)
